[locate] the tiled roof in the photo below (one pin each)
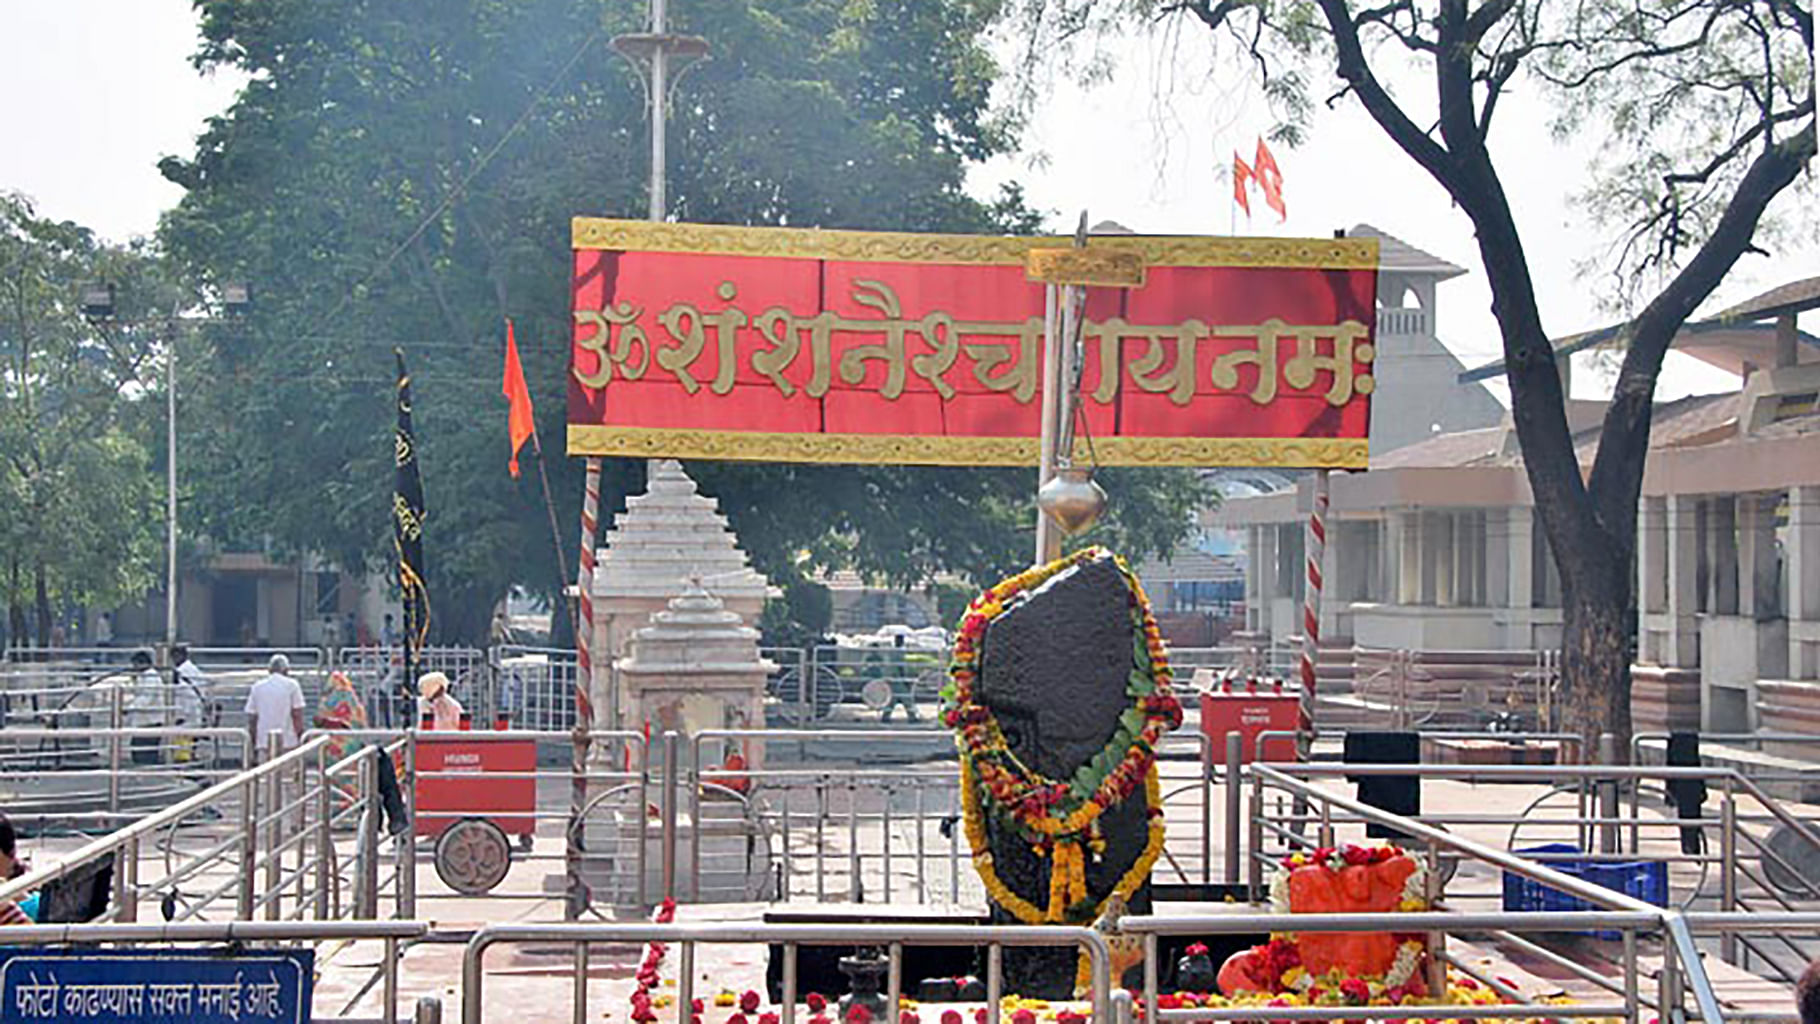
(1460, 448)
(1793, 297)
(1396, 254)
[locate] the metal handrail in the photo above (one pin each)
(214, 931)
(56, 869)
(894, 937)
(1672, 921)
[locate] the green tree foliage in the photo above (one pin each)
(79, 509)
(1702, 116)
(404, 171)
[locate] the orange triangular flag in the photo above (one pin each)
(1270, 180)
(519, 422)
(1241, 182)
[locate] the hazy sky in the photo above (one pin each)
(98, 90)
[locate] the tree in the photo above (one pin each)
(78, 506)
(1704, 114)
(403, 172)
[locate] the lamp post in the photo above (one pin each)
(97, 302)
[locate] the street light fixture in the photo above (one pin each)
(98, 300)
(237, 298)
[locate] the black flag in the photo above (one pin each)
(407, 533)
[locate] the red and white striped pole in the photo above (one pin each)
(584, 679)
(1315, 546)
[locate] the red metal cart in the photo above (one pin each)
(473, 792)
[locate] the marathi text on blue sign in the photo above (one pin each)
(151, 986)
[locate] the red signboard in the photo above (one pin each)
(798, 345)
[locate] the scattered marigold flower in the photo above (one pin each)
(908, 1017)
(951, 1017)
(767, 1018)
(738, 1018)
(724, 998)
(1023, 1017)
(1070, 1017)
(695, 1005)
(749, 1001)
(817, 1002)
(858, 1014)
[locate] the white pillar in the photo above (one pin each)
(1267, 577)
(1757, 597)
(1445, 537)
(1521, 549)
(1803, 569)
(1408, 529)
(1253, 575)
(1683, 543)
(1652, 575)
(1722, 534)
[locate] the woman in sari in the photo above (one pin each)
(341, 709)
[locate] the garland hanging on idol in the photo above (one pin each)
(1059, 818)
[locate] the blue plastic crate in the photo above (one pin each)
(1645, 880)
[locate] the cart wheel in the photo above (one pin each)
(525, 842)
(472, 856)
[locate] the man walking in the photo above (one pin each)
(275, 705)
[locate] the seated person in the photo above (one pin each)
(25, 911)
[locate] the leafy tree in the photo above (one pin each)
(79, 510)
(404, 171)
(1703, 112)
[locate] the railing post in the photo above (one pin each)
(429, 1011)
(249, 844)
(1235, 756)
(1728, 868)
(695, 829)
(1255, 848)
(1608, 796)
(669, 820)
(367, 868)
(581, 982)
(116, 716)
(325, 835)
(405, 842)
(391, 980)
(274, 833)
(126, 883)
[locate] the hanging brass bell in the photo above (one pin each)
(1072, 499)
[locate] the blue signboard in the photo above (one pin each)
(154, 986)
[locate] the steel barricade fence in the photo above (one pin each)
(893, 938)
(534, 686)
(239, 934)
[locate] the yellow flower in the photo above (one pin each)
(725, 998)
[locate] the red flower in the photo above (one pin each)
(1197, 949)
(820, 1018)
(1357, 856)
(738, 1018)
(951, 1017)
(667, 912)
(1356, 991)
(1023, 1017)
(979, 1016)
(695, 1005)
(748, 1001)
(858, 1014)
(817, 1002)
(1168, 1001)
(1070, 1017)
(907, 1017)
(767, 1018)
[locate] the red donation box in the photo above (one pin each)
(1249, 712)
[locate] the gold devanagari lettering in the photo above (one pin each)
(687, 326)
(1225, 374)
(1342, 363)
(616, 335)
(782, 330)
(1004, 366)
(1147, 371)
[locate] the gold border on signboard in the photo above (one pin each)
(906, 247)
(759, 446)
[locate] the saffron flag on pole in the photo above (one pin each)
(1270, 179)
(1241, 182)
(519, 422)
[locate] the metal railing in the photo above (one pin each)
(893, 938)
(246, 934)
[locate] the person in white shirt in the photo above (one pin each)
(275, 705)
(443, 710)
(145, 706)
(192, 700)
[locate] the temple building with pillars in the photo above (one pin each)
(1438, 547)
